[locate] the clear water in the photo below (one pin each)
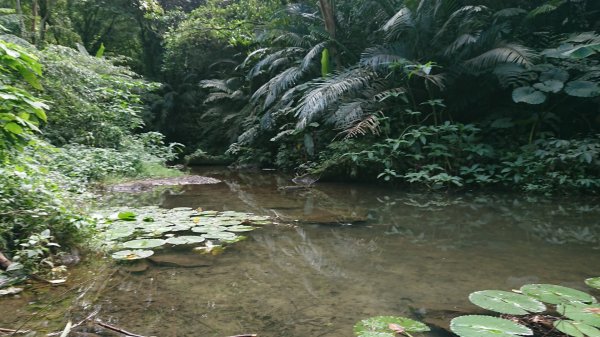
(418, 255)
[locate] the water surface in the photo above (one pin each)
(317, 272)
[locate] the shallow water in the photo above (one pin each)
(417, 255)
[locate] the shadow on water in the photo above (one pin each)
(315, 274)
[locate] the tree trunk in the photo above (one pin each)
(328, 11)
(19, 10)
(4, 262)
(43, 23)
(34, 14)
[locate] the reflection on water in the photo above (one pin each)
(405, 254)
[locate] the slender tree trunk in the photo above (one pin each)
(19, 10)
(4, 261)
(44, 22)
(328, 11)
(34, 14)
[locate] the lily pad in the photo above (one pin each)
(136, 254)
(208, 213)
(587, 314)
(144, 243)
(240, 229)
(185, 240)
(219, 236)
(593, 282)
(553, 86)
(506, 302)
(118, 233)
(487, 326)
(387, 326)
(555, 294)
(576, 329)
(126, 216)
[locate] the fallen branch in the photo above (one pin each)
(90, 316)
(12, 331)
(247, 335)
(119, 330)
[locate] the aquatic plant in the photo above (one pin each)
(141, 230)
(388, 326)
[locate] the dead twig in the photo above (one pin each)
(90, 316)
(246, 335)
(12, 331)
(116, 329)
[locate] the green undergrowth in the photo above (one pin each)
(532, 310)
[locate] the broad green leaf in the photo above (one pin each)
(554, 294)
(487, 326)
(553, 73)
(553, 86)
(593, 282)
(528, 95)
(506, 302)
(576, 329)
(240, 229)
(144, 243)
(583, 89)
(132, 254)
(380, 326)
(584, 313)
(13, 128)
(127, 216)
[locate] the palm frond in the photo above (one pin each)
(510, 12)
(394, 92)
(504, 53)
(511, 75)
(380, 58)
(369, 124)
(268, 59)
(461, 42)
(293, 39)
(329, 91)
(464, 15)
(215, 84)
(314, 52)
(282, 82)
(251, 56)
(216, 96)
(396, 25)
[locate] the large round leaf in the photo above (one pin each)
(185, 240)
(554, 294)
(554, 73)
(528, 95)
(553, 86)
(593, 282)
(487, 326)
(144, 243)
(240, 229)
(386, 326)
(132, 254)
(219, 236)
(584, 313)
(576, 329)
(582, 89)
(506, 302)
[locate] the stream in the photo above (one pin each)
(339, 253)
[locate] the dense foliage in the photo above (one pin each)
(446, 93)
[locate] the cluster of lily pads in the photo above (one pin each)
(134, 234)
(572, 312)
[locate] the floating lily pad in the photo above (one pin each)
(487, 326)
(118, 233)
(584, 313)
(144, 243)
(126, 216)
(387, 326)
(506, 302)
(219, 236)
(136, 254)
(185, 240)
(240, 229)
(208, 213)
(576, 329)
(593, 282)
(555, 294)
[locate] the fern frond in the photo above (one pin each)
(370, 124)
(329, 91)
(346, 115)
(505, 53)
(394, 92)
